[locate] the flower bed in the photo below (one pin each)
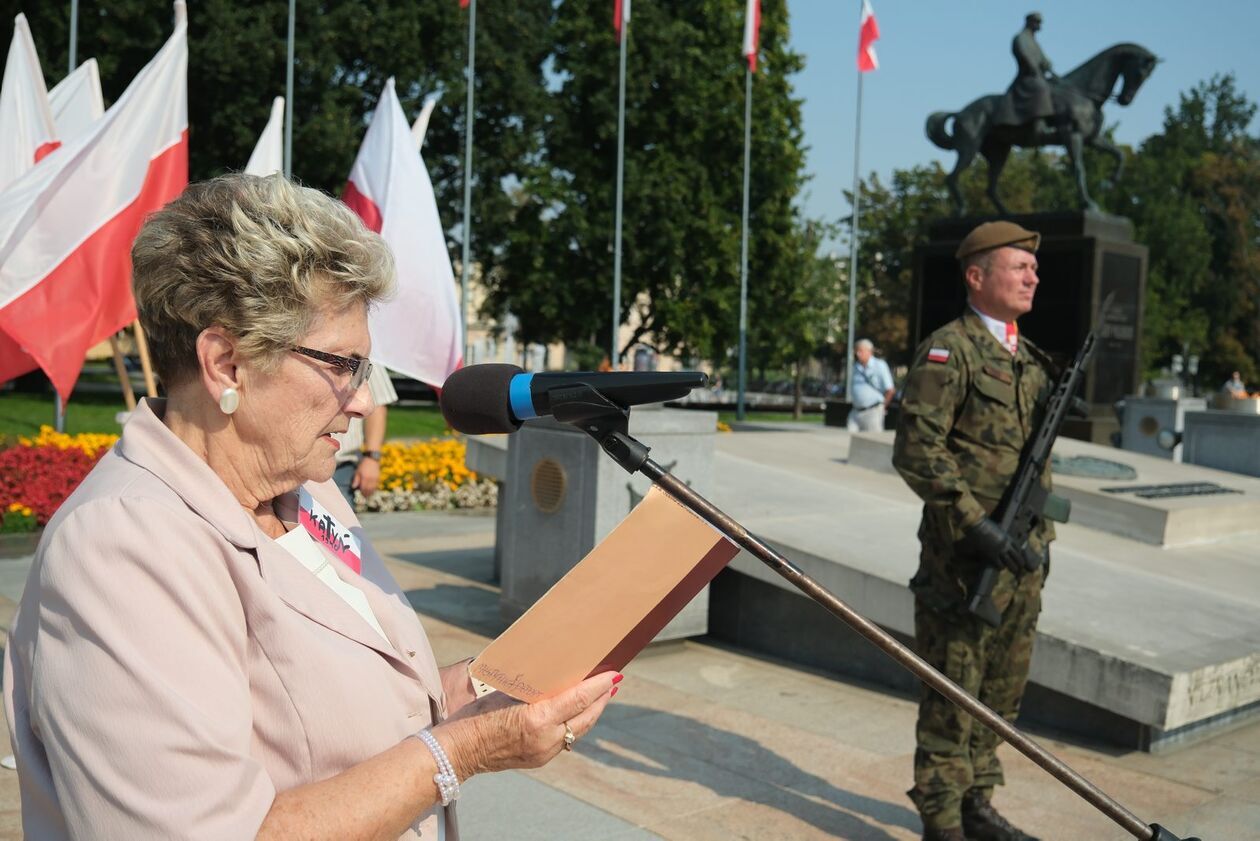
(427, 475)
(37, 474)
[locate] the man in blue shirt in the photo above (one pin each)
(872, 389)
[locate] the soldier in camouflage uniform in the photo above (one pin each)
(972, 399)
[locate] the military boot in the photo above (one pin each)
(981, 822)
(954, 833)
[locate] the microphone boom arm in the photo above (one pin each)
(608, 423)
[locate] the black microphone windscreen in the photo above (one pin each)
(475, 400)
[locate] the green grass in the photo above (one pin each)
(23, 413)
(780, 417)
(415, 422)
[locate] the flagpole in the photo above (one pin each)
(288, 96)
(621, 160)
(59, 407)
(743, 249)
(74, 34)
(853, 245)
(465, 269)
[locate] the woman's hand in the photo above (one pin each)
(457, 685)
(496, 732)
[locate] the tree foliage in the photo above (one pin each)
(682, 200)
(1194, 195)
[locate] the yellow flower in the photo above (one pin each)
(90, 443)
(427, 463)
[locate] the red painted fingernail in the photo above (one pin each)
(617, 679)
(613, 694)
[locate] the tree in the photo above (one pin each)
(683, 151)
(805, 312)
(1192, 193)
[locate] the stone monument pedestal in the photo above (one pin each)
(1224, 439)
(1084, 257)
(561, 495)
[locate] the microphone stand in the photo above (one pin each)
(608, 423)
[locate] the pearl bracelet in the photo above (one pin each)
(447, 782)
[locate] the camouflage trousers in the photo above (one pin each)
(955, 754)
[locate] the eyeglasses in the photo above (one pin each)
(359, 369)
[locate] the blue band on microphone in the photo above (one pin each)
(520, 398)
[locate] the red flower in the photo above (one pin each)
(41, 477)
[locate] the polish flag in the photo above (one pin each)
(66, 226)
(621, 17)
(868, 34)
(77, 102)
(268, 155)
(29, 132)
(752, 33)
(417, 332)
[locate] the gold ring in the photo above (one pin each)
(569, 738)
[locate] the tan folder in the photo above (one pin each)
(608, 607)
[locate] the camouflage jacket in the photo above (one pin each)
(967, 410)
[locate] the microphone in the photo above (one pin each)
(494, 397)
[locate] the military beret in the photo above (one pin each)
(992, 235)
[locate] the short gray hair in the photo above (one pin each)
(259, 257)
(982, 259)
(866, 343)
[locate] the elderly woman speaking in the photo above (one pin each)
(208, 646)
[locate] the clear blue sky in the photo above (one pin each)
(940, 55)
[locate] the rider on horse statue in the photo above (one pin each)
(1028, 99)
(1042, 109)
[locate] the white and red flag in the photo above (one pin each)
(868, 34)
(66, 226)
(621, 17)
(417, 332)
(268, 154)
(27, 130)
(76, 102)
(752, 33)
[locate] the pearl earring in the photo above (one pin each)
(229, 400)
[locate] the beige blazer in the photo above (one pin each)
(171, 668)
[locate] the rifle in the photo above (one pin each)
(1026, 503)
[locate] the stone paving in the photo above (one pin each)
(706, 742)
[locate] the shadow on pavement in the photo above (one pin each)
(474, 564)
(732, 765)
(471, 608)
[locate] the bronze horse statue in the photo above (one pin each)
(1078, 99)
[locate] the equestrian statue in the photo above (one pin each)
(1042, 109)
